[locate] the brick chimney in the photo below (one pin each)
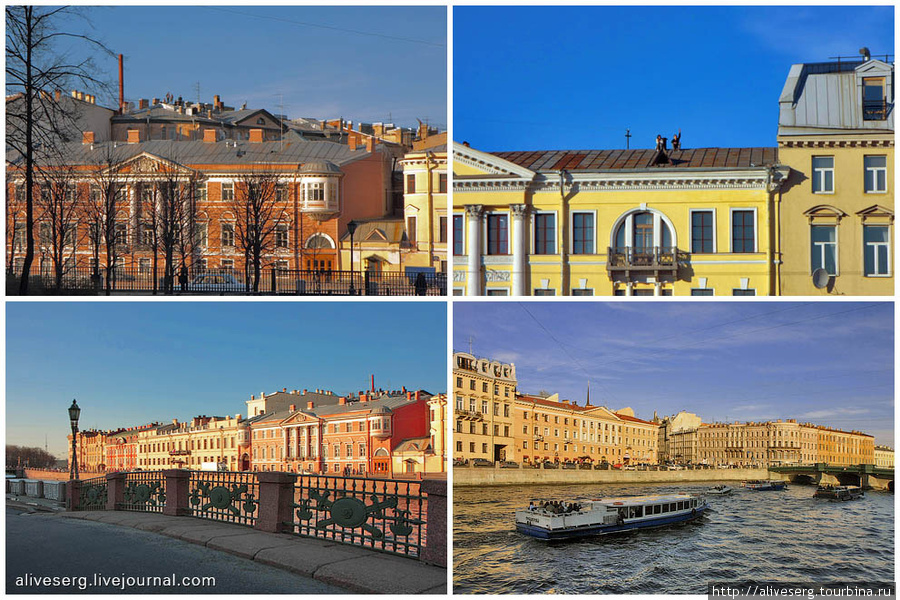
(134, 136)
(342, 400)
(292, 407)
(143, 103)
(370, 144)
(310, 405)
(256, 135)
(417, 395)
(209, 135)
(409, 395)
(284, 390)
(351, 142)
(87, 137)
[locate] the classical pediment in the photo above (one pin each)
(376, 236)
(825, 211)
(876, 211)
(150, 165)
(299, 418)
(476, 162)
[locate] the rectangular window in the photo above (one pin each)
(874, 99)
(498, 234)
(228, 235)
(544, 292)
(737, 292)
(702, 292)
(281, 236)
(200, 192)
(228, 191)
(583, 233)
(442, 230)
(742, 231)
(410, 184)
(583, 292)
(545, 233)
(411, 229)
(498, 292)
(442, 183)
(202, 235)
(121, 235)
(702, 231)
(876, 174)
(823, 174)
(824, 248)
(281, 192)
(458, 249)
(877, 253)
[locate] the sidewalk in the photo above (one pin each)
(350, 567)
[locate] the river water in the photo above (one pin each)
(747, 536)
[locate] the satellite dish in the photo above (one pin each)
(820, 278)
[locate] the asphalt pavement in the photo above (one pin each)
(61, 556)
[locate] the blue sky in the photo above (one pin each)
(547, 78)
(830, 363)
(129, 363)
(362, 63)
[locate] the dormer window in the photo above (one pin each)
(874, 99)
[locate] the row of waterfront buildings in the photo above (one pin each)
(100, 197)
(373, 433)
(495, 422)
(812, 216)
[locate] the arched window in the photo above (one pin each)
(320, 241)
(643, 230)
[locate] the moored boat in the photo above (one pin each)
(765, 486)
(719, 490)
(838, 492)
(560, 521)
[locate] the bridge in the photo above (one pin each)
(865, 476)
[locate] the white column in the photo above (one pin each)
(473, 249)
(520, 248)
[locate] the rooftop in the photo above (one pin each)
(618, 160)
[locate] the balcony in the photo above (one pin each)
(469, 414)
(179, 452)
(657, 261)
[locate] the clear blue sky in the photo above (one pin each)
(548, 78)
(362, 63)
(830, 363)
(129, 363)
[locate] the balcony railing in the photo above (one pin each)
(658, 258)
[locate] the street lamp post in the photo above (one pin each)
(74, 413)
(351, 227)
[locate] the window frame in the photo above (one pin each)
(755, 230)
(713, 240)
(824, 245)
(889, 272)
(816, 172)
(875, 171)
(487, 232)
(462, 234)
(534, 232)
(572, 215)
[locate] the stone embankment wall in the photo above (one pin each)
(465, 476)
(56, 475)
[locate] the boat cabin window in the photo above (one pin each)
(657, 509)
(635, 512)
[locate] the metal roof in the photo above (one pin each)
(621, 160)
(228, 152)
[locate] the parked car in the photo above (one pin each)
(460, 462)
(509, 464)
(212, 282)
(482, 462)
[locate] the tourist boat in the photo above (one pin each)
(561, 521)
(838, 492)
(765, 486)
(719, 490)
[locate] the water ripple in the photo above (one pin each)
(774, 536)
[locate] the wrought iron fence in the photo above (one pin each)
(141, 280)
(224, 496)
(93, 494)
(380, 514)
(144, 491)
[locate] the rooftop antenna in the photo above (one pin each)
(588, 402)
(470, 340)
(628, 139)
(197, 86)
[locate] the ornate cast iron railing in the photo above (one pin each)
(224, 496)
(660, 258)
(93, 494)
(144, 491)
(381, 514)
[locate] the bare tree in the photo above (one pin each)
(257, 216)
(107, 196)
(58, 210)
(15, 225)
(35, 120)
(174, 218)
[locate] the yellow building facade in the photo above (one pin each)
(203, 443)
(836, 133)
(484, 393)
(616, 222)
